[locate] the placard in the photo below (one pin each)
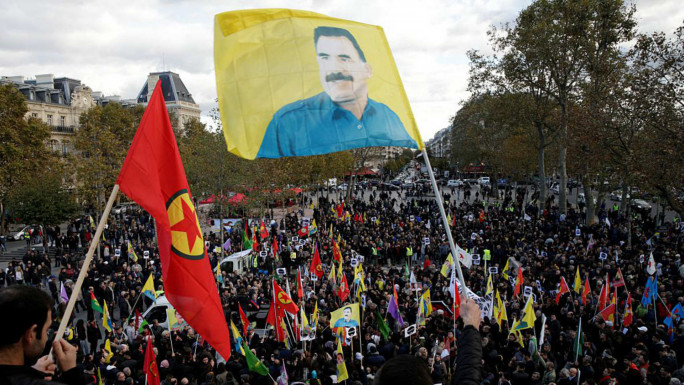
(473, 236)
(306, 221)
(409, 331)
(313, 277)
(263, 254)
(363, 300)
(117, 252)
(544, 254)
(281, 271)
(603, 256)
(351, 332)
(426, 241)
(146, 254)
(642, 258)
(375, 219)
(578, 232)
(476, 259)
(354, 262)
(494, 270)
(217, 250)
(295, 239)
(302, 242)
(527, 290)
(297, 247)
(361, 258)
(412, 218)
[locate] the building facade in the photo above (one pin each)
(440, 145)
(179, 102)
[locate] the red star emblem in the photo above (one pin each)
(188, 225)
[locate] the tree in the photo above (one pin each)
(101, 143)
(23, 153)
(547, 54)
(43, 200)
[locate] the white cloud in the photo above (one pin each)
(112, 46)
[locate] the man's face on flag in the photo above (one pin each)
(342, 72)
(347, 314)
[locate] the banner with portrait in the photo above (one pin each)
(297, 83)
(347, 316)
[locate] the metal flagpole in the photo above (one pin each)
(440, 204)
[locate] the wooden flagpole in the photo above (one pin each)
(86, 264)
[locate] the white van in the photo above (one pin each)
(483, 180)
(157, 311)
(239, 262)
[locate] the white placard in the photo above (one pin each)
(363, 301)
(374, 219)
(354, 262)
(146, 254)
(409, 331)
(314, 277)
(543, 254)
(295, 239)
(297, 247)
(281, 271)
(476, 259)
(306, 221)
(263, 254)
(494, 270)
(361, 258)
(603, 256)
(412, 218)
(642, 258)
(527, 290)
(351, 332)
(426, 241)
(302, 242)
(473, 236)
(117, 252)
(578, 232)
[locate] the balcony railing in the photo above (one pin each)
(64, 129)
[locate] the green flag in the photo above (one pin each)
(382, 325)
(578, 343)
(94, 304)
(246, 243)
(142, 325)
(255, 365)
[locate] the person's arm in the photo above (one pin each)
(65, 354)
(469, 357)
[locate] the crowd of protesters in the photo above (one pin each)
(399, 236)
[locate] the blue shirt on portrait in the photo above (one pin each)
(316, 126)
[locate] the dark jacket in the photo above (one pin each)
(26, 375)
(469, 358)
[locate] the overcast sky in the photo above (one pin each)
(111, 46)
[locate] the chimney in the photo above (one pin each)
(46, 80)
(151, 82)
(15, 79)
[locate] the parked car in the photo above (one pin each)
(641, 205)
(617, 195)
(454, 183)
(555, 188)
(343, 187)
(408, 184)
(484, 180)
(389, 186)
(19, 235)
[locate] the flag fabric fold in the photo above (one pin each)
(153, 176)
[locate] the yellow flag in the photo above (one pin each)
(92, 222)
(490, 285)
(305, 321)
(427, 310)
(108, 349)
(237, 337)
(506, 268)
(500, 310)
(515, 331)
(106, 320)
(331, 229)
(332, 275)
(447, 265)
(280, 71)
(578, 282)
(132, 253)
(528, 319)
(341, 366)
(314, 317)
(148, 289)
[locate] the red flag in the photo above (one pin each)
(343, 290)
(482, 215)
(263, 231)
(316, 266)
(137, 318)
(603, 297)
(340, 209)
(153, 176)
(150, 367)
(619, 279)
(337, 255)
(457, 302)
(275, 320)
(608, 312)
(586, 290)
(303, 232)
(300, 287)
(244, 319)
(426, 264)
(283, 301)
(255, 241)
(518, 282)
(453, 221)
(564, 288)
(629, 316)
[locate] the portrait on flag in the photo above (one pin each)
(346, 316)
(332, 85)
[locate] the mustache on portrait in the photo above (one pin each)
(338, 76)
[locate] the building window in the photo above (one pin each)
(34, 115)
(62, 121)
(54, 145)
(49, 120)
(65, 148)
